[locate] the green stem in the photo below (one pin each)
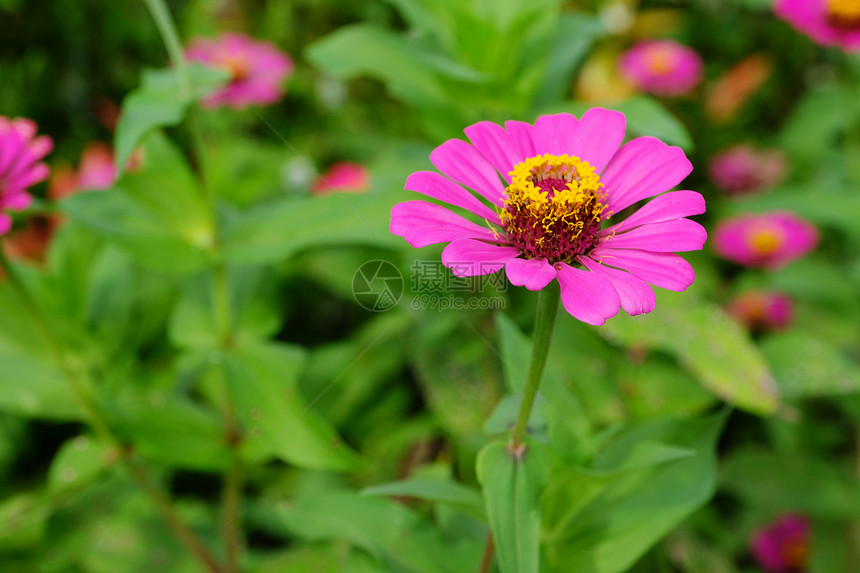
(161, 15)
(221, 305)
(232, 489)
(231, 516)
(79, 382)
(489, 551)
(185, 535)
(547, 308)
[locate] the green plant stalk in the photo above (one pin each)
(547, 308)
(95, 418)
(489, 551)
(161, 15)
(220, 294)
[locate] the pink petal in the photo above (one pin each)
(666, 207)
(16, 201)
(497, 145)
(600, 133)
(41, 146)
(669, 236)
(11, 148)
(5, 223)
(665, 270)
(469, 257)
(521, 132)
(642, 168)
(462, 162)
(422, 223)
(534, 274)
(434, 185)
(587, 296)
(636, 295)
(25, 126)
(34, 174)
(554, 133)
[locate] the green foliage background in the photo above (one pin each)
(205, 304)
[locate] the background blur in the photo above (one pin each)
(413, 390)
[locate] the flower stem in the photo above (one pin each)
(161, 15)
(489, 551)
(547, 308)
(79, 383)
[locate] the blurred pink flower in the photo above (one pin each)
(20, 165)
(761, 311)
(343, 176)
(769, 240)
(96, 171)
(783, 546)
(662, 67)
(563, 179)
(257, 69)
(827, 22)
(742, 169)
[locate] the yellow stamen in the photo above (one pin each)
(844, 13)
(237, 66)
(554, 206)
(660, 59)
(765, 241)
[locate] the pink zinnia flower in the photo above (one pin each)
(828, 22)
(257, 69)
(770, 240)
(742, 169)
(343, 176)
(564, 178)
(662, 67)
(783, 546)
(96, 171)
(761, 311)
(20, 165)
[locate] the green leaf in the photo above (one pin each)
(452, 368)
(430, 489)
(370, 358)
(161, 101)
(25, 519)
(398, 537)
(170, 429)
(773, 482)
(79, 461)
(35, 389)
(808, 366)
(254, 313)
(262, 380)
(365, 49)
(817, 120)
(625, 511)
(574, 36)
(512, 485)
(708, 343)
(157, 214)
(281, 228)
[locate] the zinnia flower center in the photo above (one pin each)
(237, 66)
(794, 553)
(765, 241)
(844, 14)
(553, 207)
(660, 59)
